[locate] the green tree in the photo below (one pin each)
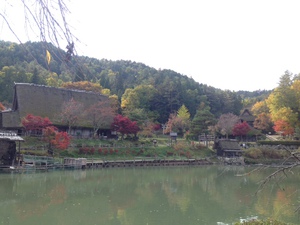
(202, 121)
(35, 79)
(139, 100)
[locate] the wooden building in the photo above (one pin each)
(228, 148)
(8, 147)
(45, 101)
(246, 116)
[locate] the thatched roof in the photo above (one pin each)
(228, 145)
(44, 101)
(247, 116)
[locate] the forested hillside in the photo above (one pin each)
(160, 92)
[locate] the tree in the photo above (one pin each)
(147, 129)
(71, 113)
(141, 97)
(263, 122)
(61, 140)
(35, 124)
(2, 107)
(202, 121)
(259, 107)
(226, 123)
(179, 122)
(183, 113)
(48, 136)
(241, 129)
(124, 125)
(175, 124)
(100, 115)
(35, 79)
(283, 127)
(283, 102)
(54, 138)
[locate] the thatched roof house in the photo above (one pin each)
(228, 148)
(43, 101)
(246, 116)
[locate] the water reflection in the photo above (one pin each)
(177, 195)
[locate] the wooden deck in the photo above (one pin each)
(47, 163)
(145, 163)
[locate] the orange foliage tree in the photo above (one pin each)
(283, 127)
(56, 139)
(263, 122)
(2, 107)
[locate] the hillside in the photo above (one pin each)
(27, 63)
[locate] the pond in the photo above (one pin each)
(146, 196)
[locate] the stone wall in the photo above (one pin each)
(7, 152)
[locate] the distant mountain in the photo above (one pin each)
(28, 63)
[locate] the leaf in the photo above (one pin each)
(48, 57)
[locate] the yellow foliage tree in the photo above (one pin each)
(259, 107)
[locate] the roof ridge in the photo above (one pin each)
(59, 88)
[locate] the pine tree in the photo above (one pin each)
(202, 121)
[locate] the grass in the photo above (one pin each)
(121, 149)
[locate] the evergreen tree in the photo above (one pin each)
(202, 121)
(35, 79)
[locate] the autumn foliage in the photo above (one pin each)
(241, 129)
(50, 133)
(35, 124)
(53, 137)
(124, 125)
(284, 127)
(1, 107)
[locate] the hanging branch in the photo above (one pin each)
(48, 20)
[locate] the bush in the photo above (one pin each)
(253, 153)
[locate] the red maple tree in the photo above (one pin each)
(62, 140)
(56, 139)
(35, 124)
(241, 129)
(50, 133)
(124, 125)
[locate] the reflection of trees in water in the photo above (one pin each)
(277, 203)
(131, 196)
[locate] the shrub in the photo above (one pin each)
(254, 153)
(91, 151)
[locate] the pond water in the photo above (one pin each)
(146, 196)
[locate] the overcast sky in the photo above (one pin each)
(227, 44)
